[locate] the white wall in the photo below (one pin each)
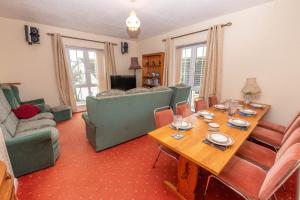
(33, 65)
(263, 42)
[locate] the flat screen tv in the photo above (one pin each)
(123, 82)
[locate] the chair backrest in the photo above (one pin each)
(292, 128)
(212, 100)
(283, 168)
(163, 116)
(291, 140)
(183, 109)
(200, 104)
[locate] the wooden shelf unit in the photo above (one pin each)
(153, 64)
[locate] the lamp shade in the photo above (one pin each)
(251, 87)
(134, 65)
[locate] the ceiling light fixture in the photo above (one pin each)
(133, 23)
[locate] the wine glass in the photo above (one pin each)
(177, 121)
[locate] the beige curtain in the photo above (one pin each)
(102, 78)
(110, 63)
(62, 72)
(168, 67)
(213, 66)
(178, 58)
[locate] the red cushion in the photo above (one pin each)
(267, 136)
(26, 111)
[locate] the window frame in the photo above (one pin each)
(87, 70)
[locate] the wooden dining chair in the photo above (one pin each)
(276, 127)
(265, 157)
(212, 100)
(164, 116)
(252, 182)
(272, 138)
(200, 104)
(184, 109)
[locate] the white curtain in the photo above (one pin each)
(168, 76)
(102, 78)
(110, 63)
(62, 73)
(213, 66)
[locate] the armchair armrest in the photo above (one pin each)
(35, 101)
(32, 152)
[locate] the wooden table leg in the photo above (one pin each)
(187, 179)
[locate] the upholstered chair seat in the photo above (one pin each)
(265, 157)
(252, 182)
(243, 176)
(183, 109)
(259, 155)
(200, 104)
(272, 126)
(274, 138)
(212, 100)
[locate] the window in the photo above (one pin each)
(84, 72)
(192, 68)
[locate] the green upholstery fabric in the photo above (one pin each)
(10, 96)
(44, 115)
(113, 120)
(61, 113)
(30, 146)
(32, 152)
(180, 93)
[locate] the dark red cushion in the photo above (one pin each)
(26, 111)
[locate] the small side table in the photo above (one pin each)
(61, 113)
(7, 190)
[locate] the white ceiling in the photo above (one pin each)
(108, 16)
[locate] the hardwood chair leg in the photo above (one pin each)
(154, 164)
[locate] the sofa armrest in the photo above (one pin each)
(32, 152)
(35, 101)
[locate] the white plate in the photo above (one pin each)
(248, 111)
(212, 138)
(256, 105)
(184, 126)
(214, 125)
(220, 106)
(239, 122)
(204, 112)
(220, 138)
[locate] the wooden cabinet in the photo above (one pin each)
(7, 191)
(153, 69)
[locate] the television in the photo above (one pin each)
(123, 82)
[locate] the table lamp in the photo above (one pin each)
(134, 65)
(251, 90)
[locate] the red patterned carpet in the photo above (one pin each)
(123, 172)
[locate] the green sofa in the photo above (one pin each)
(13, 96)
(111, 120)
(32, 144)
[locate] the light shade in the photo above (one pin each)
(133, 23)
(251, 87)
(134, 65)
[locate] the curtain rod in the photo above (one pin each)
(76, 38)
(179, 36)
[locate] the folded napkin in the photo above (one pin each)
(245, 114)
(182, 129)
(244, 128)
(220, 147)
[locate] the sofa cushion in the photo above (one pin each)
(45, 115)
(138, 90)
(10, 96)
(5, 132)
(11, 124)
(112, 92)
(179, 85)
(33, 125)
(54, 133)
(3, 100)
(159, 88)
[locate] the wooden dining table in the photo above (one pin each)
(194, 155)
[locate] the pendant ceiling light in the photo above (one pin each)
(133, 23)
